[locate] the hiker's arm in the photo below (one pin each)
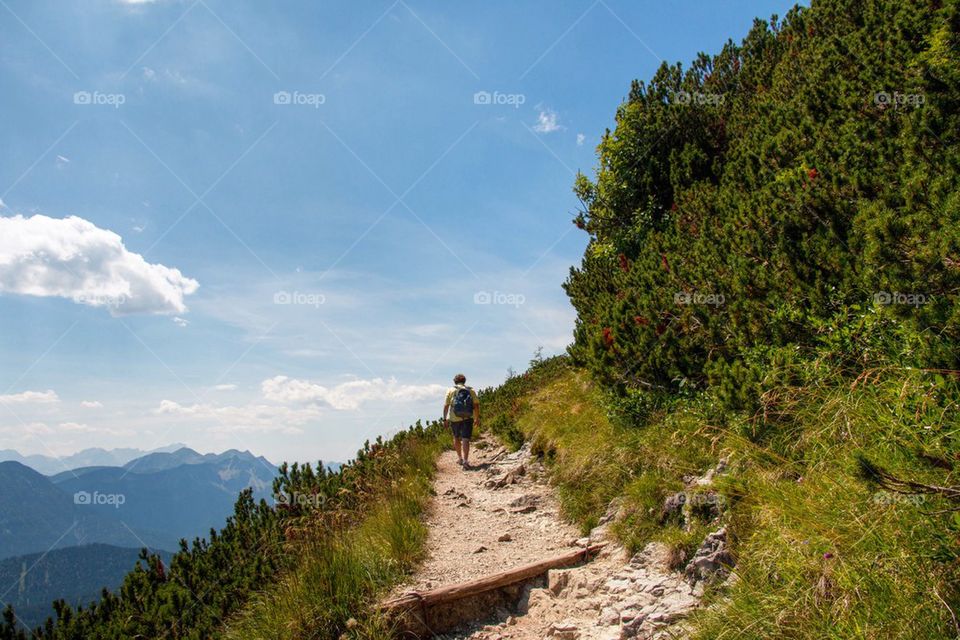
(446, 408)
(476, 410)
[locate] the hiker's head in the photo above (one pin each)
(459, 379)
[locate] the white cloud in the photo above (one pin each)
(180, 322)
(73, 258)
(347, 395)
(293, 404)
(91, 404)
(26, 431)
(306, 353)
(62, 161)
(241, 427)
(76, 427)
(31, 397)
(37, 428)
(547, 122)
(225, 387)
(580, 139)
(248, 418)
(429, 330)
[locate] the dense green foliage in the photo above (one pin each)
(771, 277)
(503, 405)
(211, 579)
(793, 194)
(347, 558)
(75, 574)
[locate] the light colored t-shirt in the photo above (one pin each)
(449, 402)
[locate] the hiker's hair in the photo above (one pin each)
(459, 378)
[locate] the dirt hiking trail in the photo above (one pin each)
(502, 513)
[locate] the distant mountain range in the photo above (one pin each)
(94, 457)
(36, 515)
(151, 501)
(79, 530)
(76, 574)
(181, 494)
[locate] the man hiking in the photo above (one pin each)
(461, 410)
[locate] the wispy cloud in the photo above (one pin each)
(76, 427)
(91, 404)
(347, 395)
(25, 432)
(260, 418)
(31, 397)
(548, 121)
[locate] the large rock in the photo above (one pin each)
(609, 617)
(557, 581)
(564, 631)
(614, 511)
(510, 477)
(712, 561)
(673, 507)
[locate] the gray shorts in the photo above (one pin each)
(462, 429)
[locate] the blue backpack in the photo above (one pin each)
(463, 403)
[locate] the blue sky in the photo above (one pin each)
(284, 226)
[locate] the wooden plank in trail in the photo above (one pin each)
(418, 604)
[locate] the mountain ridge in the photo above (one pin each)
(92, 456)
(38, 516)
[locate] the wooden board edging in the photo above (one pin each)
(452, 593)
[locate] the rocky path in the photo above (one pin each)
(482, 522)
(502, 514)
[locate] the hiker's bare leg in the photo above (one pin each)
(465, 445)
(456, 446)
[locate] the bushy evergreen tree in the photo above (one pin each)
(793, 194)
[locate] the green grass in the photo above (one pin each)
(594, 459)
(821, 553)
(339, 573)
(824, 554)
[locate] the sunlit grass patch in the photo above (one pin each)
(339, 573)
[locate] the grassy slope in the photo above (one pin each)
(340, 572)
(821, 554)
